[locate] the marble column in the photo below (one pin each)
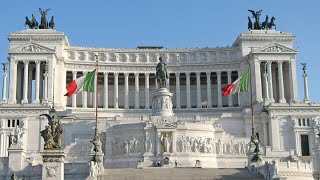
(30, 85)
(126, 90)
(230, 103)
(25, 82)
(257, 82)
(156, 82)
(13, 81)
(74, 96)
(105, 90)
(274, 133)
(158, 142)
(306, 90)
(136, 100)
(293, 80)
(281, 88)
(265, 86)
(37, 83)
(178, 105)
(45, 85)
(188, 90)
(219, 89)
(116, 92)
(240, 95)
(84, 95)
(198, 90)
(209, 99)
(146, 91)
(269, 63)
(4, 85)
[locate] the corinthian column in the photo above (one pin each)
(198, 90)
(74, 96)
(37, 83)
(281, 89)
(146, 91)
(219, 89)
(13, 80)
(25, 82)
(209, 90)
(105, 90)
(126, 91)
(270, 81)
(178, 105)
(116, 92)
(45, 85)
(4, 86)
(188, 90)
(136, 102)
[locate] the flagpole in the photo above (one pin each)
(96, 93)
(253, 135)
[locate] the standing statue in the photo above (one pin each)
(161, 73)
(304, 67)
(44, 23)
(52, 134)
(249, 23)
(166, 141)
(17, 136)
(256, 15)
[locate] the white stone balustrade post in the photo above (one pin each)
(146, 91)
(188, 90)
(105, 90)
(74, 96)
(116, 91)
(198, 90)
(126, 90)
(178, 105)
(25, 83)
(136, 101)
(281, 88)
(219, 89)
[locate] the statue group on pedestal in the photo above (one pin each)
(266, 25)
(16, 138)
(44, 24)
(52, 134)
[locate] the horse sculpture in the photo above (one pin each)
(265, 24)
(272, 23)
(249, 23)
(28, 22)
(161, 73)
(51, 23)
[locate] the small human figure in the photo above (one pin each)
(249, 23)
(176, 163)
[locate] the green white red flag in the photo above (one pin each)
(239, 85)
(85, 83)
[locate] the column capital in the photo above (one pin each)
(105, 73)
(198, 73)
(37, 62)
(229, 72)
(136, 74)
(177, 74)
(26, 62)
(218, 73)
(126, 74)
(116, 74)
(187, 73)
(74, 72)
(146, 74)
(269, 62)
(279, 62)
(208, 73)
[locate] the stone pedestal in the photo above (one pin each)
(53, 164)
(162, 103)
(16, 154)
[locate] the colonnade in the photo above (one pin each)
(138, 103)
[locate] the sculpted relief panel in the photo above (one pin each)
(127, 146)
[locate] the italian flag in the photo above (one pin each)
(85, 83)
(241, 84)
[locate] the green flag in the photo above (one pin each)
(89, 81)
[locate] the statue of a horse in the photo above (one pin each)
(249, 23)
(28, 22)
(51, 23)
(265, 24)
(272, 23)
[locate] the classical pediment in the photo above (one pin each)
(31, 48)
(275, 48)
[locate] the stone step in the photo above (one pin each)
(179, 174)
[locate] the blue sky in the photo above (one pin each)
(172, 24)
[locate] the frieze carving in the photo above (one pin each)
(51, 171)
(126, 146)
(31, 48)
(159, 121)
